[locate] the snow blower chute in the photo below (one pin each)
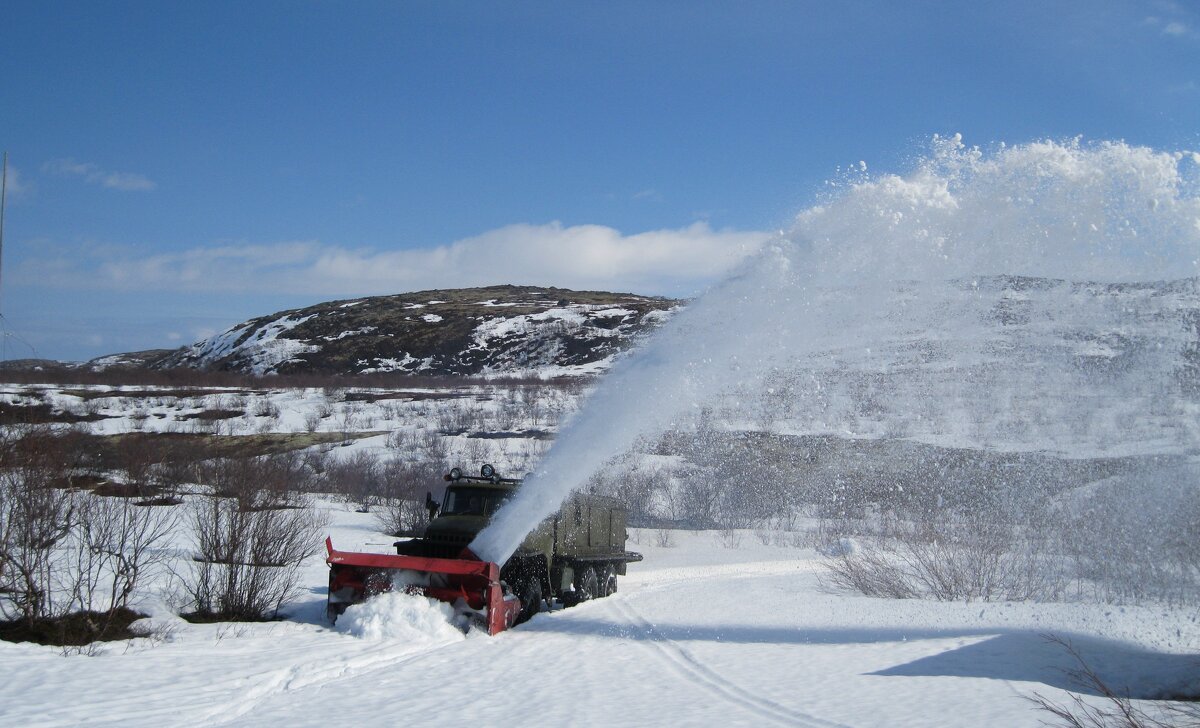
(466, 582)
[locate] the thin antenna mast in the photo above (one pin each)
(3, 199)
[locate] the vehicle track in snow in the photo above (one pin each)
(311, 673)
(684, 664)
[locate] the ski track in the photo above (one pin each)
(684, 664)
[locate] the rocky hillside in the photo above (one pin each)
(499, 329)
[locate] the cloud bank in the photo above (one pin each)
(669, 262)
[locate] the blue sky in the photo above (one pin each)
(178, 167)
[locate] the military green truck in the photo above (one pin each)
(573, 556)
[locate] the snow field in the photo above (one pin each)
(709, 630)
(699, 634)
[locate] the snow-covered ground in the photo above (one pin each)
(715, 628)
(699, 634)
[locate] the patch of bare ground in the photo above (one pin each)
(40, 414)
(183, 446)
(74, 629)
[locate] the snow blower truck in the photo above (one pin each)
(572, 556)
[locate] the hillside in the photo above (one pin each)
(498, 329)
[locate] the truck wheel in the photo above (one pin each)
(587, 585)
(531, 599)
(608, 581)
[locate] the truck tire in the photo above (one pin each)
(587, 584)
(608, 580)
(530, 594)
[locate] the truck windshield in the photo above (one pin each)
(472, 501)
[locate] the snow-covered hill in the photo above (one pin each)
(495, 330)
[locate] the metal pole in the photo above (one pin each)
(3, 197)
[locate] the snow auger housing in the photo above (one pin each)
(573, 556)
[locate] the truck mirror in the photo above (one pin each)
(431, 506)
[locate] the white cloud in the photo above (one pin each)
(93, 174)
(127, 181)
(1175, 28)
(15, 185)
(676, 261)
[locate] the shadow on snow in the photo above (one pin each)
(1015, 655)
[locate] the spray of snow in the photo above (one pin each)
(897, 274)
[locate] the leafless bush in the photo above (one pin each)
(247, 560)
(137, 420)
(949, 556)
(476, 451)
(323, 410)
(730, 538)
(764, 535)
(258, 483)
(1137, 538)
(265, 407)
(35, 519)
(64, 549)
(404, 441)
(401, 511)
(696, 500)
(870, 573)
(637, 489)
(664, 538)
(350, 419)
(116, 547)
(357, 479)
(1117, 711)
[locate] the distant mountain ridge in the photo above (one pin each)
(492, 330)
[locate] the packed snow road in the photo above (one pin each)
(699, 634)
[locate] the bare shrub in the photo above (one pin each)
(434, 447)
(948, 556)
(350, 419)
(35, 519)
(266, 407)
(117, 546)
(137, 420)
(268, 481)
(730, 538)
(312, 421)
(664, 538)
(247, 560)
(1118, 710)
(401, 511)
(870, 573)
(637, 489)
(357, 479)
(764, 535)
(1149, 544)
(404, 441)
(323, 410)
(696, 500)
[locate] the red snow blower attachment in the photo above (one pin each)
(467, 583)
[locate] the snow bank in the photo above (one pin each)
(400, 616)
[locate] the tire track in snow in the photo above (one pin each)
(696, 672)
(313, 672)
